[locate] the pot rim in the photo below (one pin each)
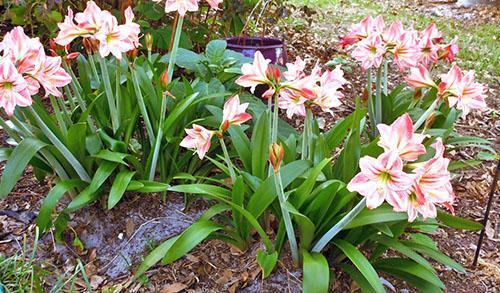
(232, 44)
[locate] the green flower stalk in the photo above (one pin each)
(170, 72)
(276, 154)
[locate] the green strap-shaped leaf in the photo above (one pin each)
(88, 195)
(361, 263)
(357, 277)
(410, 267)
(306, 226)
(267, 262)
(241, 144)
(457, 222)
(381, 214)
(304, 191)
(434, 254)
(206, 189)
(110, 156)
(144, 186)
(266, 193)
(191, 237)
(316, 273)
(260, 146)
(119, 187)
(49, 203)
(221, 197)
(155, 256)
(403, 249)
(17, 162)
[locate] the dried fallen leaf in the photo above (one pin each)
(173, 288)
(130, 227)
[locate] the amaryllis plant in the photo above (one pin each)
(96, 124)
(120, 118)
(373, 187)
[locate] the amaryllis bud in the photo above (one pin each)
(430, 120)
(132, 54)
(72, 56)
(364, 96)
(276, 154)
(273, 73)
(90, 45)
(53, 45)
(225, 125)
(148, 39)
(164, 79)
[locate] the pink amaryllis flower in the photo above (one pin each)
(428, 51)
(399, 137)
(382, 179)
(255, 74)
(134, 29)
(198, 138)
(362, 30)
(29, 58)
(295, 70)
(327, 94)
(405, 51)
(114, 39)
(370, 52)
(433, 34)
(449, 51)
(13, 88)
(181, 6)
(100, 26)
(420, 78)
(393, 33)
(470, 94)
(293, 101)
(431, 185)
(450, 81)
(52, 76)
(87, 23)
(234, 113)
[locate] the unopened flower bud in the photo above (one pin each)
(148, 39)
(430, 120)
(164, 79)
(276, 154)
(225, 125)
(72, 56)
(90, 45)
(273, 73)
(132, 54)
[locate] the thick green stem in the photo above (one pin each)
(274, 133)
(94, 68)
(386, 72)
(115, 122)
(163, 109)
(286, 218)
(339, 226)
(305, 139)
(310, 136)
(378, 98)
(228, 160)
(371, 108)
(49, 157)
(426, 115)
(80, 170)
(57, 113)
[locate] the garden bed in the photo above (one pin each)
(115, 241)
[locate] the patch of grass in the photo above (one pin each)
(24, 272)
